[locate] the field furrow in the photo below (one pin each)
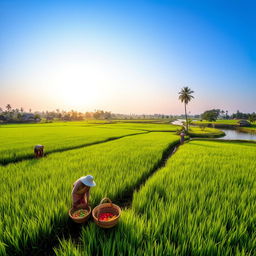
(201, 203)
(17, 143)
(36, 194)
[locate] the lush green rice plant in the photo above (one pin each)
(248, 129)
(209, 200)
(2, 248)
(36, 194)
(205, 132)
(201, 203)
(220, 121)
(125, 239)
(18, 141)
(156, 127)
(157, 121)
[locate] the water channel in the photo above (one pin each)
(230, 134)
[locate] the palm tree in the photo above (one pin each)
(8, 107)
(186, 96)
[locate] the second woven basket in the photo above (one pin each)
(108, 207)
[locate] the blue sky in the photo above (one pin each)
(128, 56)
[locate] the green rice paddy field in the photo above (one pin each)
(17, 141)
(224, 121)
(201, 201)
(233, 122)
(205, 132)
(248, 129)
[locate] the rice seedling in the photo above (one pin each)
(36, 194)
(248, 129)
(17, 142)
(209, 200)
(223, 121)
(205, 132)
(201, 203)
(156, 127)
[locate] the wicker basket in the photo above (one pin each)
(80, 220)
(104, 208)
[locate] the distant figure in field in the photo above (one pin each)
(182, 137)
(39, 151)
(81, 191)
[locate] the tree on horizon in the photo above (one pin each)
(8, 107)
(186, 96)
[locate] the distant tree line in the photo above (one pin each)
(214, 114)
(240, 115)
(18, 115)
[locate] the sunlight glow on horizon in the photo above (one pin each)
(127, 57)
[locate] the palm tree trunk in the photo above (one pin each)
(186, 117)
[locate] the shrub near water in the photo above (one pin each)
(202, 203)
(36, 194)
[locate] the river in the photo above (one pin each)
(230, 134)
(237, 135)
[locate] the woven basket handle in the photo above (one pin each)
(101, 202)
(106, 199)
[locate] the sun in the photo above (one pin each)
(78, 95)
(76, 84)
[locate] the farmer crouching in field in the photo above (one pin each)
(81, 191)
(182, 137)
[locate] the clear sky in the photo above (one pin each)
(128, 56)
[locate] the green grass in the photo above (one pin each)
(224, 121)
(248, 129)
(159, 121)
(36, 194)
(229, 124)
(201, 203)
(143, 126)
(58, 123)
(18, 141)
(205, 132)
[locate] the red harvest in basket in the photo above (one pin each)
(106, 216)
